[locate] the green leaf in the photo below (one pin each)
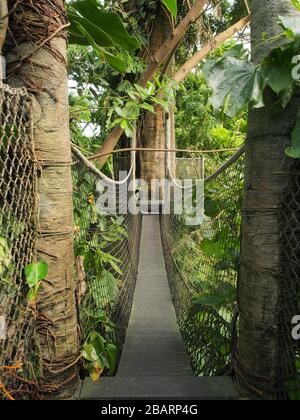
(89, 353)
(296, 3)
(213, 207)
(112, 356)
(94, 32)
(212, 248)
(108, 23)
(36, 272)
(147, 107)
(294, 150)
(97, 341)
(171, 5)
(277, 70)
(115, 62)
(235, 84)
(291, 23)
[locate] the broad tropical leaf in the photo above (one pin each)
(235, 83)
(114, 61)
(109, 23)
(90, 26)
(95, 33)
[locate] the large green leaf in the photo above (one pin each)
(101, 38)
(114, 61)
(36, 272)
(110, 24)
(171, 5)
(294, 150)
(235, 83)
(277, 69)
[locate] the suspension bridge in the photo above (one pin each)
(154, 363)
(164, 352)
(163, 291)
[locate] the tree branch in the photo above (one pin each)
(218, 40)
(158, 59)
(247, 7)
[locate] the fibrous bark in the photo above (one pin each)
(267, 174)
(36, 58)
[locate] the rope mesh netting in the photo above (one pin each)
(202, 264)
(289, 363)
(106, 252)
(17, 237)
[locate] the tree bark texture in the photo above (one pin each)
(153, 133)
(268, 171)
(43, 71)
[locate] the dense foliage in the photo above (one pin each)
(104, 69)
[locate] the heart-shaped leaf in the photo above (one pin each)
(36, 272)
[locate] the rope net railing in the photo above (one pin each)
(289, 345)
(202, 265)
(18, 212)
(106, 251)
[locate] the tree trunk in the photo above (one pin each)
(43, 71)
(161, 56)
(3, 32)
(153, 134)
(267, 174)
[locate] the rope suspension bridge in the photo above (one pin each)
(169, 337)
(164, 291)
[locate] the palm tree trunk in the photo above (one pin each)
(43, 71)
(267, 174)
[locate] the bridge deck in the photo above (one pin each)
(154, 363)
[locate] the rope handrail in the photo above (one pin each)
(175, 182)
(92, 168)
(226, 165)
(218, 172)
(145, 149)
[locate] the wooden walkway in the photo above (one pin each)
(154, 363)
